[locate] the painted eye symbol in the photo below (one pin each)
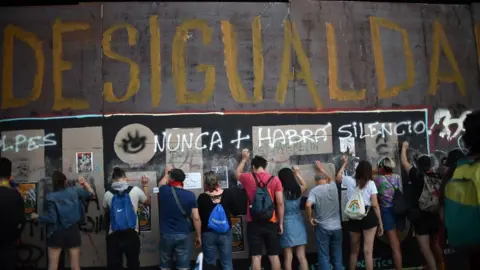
(133, 145)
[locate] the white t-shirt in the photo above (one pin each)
(136, 196)
(367, 192)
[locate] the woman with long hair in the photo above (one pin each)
(387, 182)
(63, 208)
(214, 240)
(294, 232)
(372, 223)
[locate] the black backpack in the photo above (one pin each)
(262, 207)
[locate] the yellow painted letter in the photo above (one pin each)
(134, 84)
(179, 64)
(155, 62)
(440, 40)
(477, 40)
(59, 102)
(231, 52)
(10, 33)
(383, 90)
(291, 36)
(335, 91)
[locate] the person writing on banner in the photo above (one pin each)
(387, 182)
(265, 211)
(370, 221)
(64, 213)
(12, 206)
(214, 206)
(425, 207)
(179, 216)
(121, 202)
(326, 221)
(294, 232)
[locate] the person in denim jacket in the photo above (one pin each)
(63, 215)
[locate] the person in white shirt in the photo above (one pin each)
(372, 222)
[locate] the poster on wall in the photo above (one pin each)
(222, 174)
(238, 241)
(193, 180)
(347, 145)
(29, 195)
(84, 162)
(144, 218)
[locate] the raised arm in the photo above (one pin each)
(403, 157)
(164, 179)
(145, 182)
(340, 172)
(320, 169)
(300, 180)
(86, 186)
(241, 165)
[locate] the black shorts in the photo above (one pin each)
(427, 224)
(260, 233)
(368, 222)
(65, 238)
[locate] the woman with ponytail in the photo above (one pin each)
(387, 182)
(214, 207)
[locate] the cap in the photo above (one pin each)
(177, 175)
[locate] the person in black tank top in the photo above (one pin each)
(214, 241)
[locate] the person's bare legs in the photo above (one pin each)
(53, 258)
(437, 251)
(74, 258)
(396, 250)
(256, 262)
(354, 249)
(301, 257)
(368, 239)
(287, 258)
(424, 243)
(275, 262)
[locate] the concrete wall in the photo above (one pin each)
(365, 76)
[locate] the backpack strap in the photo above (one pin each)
(269, 180)
(258, 182)
(179, 205)
(256, 179)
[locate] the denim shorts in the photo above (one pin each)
(177, 245)
(388, 218)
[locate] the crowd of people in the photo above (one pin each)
(376, 205)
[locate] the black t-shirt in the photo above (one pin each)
(13, 215)
(418, 181)
(205, 207)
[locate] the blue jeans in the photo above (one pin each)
(221, 242)
(178, 244)
(329, 242)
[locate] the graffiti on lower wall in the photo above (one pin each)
(144, 145)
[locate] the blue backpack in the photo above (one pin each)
(262, 208)
(122, 214)
(218, 220)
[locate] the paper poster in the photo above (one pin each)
(347, 145)
(29, 195)
(144, 218)
(238, 241)
(222, 174)
(193, 181)
(84, 162)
